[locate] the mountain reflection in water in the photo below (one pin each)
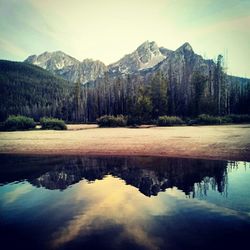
(150, 203)
(149, 175)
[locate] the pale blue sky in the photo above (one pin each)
(108, 29)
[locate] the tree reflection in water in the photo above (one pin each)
(150, 175)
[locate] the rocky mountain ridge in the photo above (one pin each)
(68, 67)
(148, 57)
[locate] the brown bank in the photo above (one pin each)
(230, 142)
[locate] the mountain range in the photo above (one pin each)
(172, 82)
(146, 59)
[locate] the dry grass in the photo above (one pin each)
(230, 142)
(81, 126)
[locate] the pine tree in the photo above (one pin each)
(77, 99)
(198, 83)
(159, 89)
(143, 107)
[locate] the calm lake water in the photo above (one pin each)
(123, 203)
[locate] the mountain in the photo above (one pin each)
(148, 58)
(30, 90)
(147, 55)
(179, 66)
(145, 61)
(68, 67)
(52, 61)
(184, 60)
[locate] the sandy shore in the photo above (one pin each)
(230, 142)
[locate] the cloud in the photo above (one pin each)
(113, 201)
(15, 194)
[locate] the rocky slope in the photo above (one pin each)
(85, 71)
(147, 55)
(68, 67)
(52, 60)
(183, 61)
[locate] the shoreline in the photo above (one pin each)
(126, 155)
(230, 142)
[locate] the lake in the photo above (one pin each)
(76, 202)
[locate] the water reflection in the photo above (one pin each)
(149, 175)
(123, 203)
(112, 202)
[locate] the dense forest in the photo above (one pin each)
(29, 90)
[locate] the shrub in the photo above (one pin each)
(208, 120)
(190, 121)
(169, 121)
(226, 119)
(18, 122)
(134, 120)
(52, 123)
(239, 118)
(112, 121)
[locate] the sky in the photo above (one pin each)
(108, 29)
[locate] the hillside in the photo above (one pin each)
(29, 90)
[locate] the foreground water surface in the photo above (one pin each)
(123, 203)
